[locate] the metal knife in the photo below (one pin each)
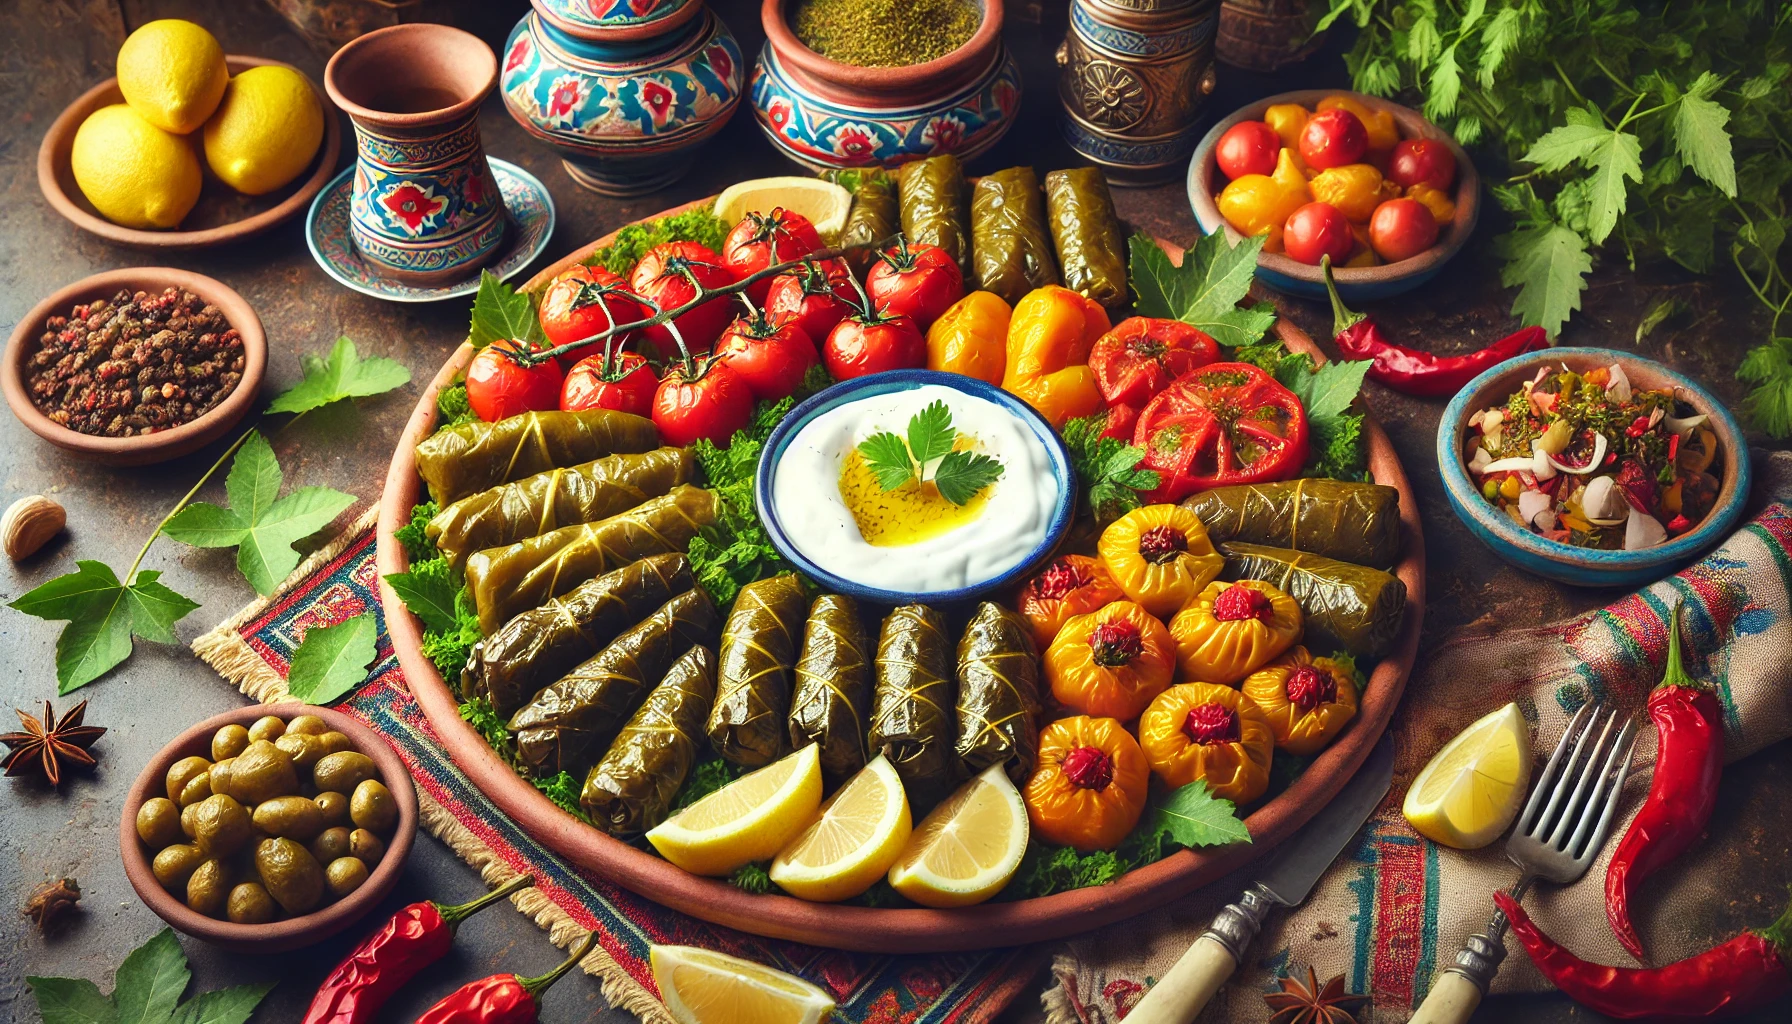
(1286, 880)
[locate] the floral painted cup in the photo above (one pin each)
(425, 209)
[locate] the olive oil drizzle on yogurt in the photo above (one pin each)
(909, 514)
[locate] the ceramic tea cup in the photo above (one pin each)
(425, 209)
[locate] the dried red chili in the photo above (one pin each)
(1414, 371)
(417, 936)
(1740, 976)
(501, 998)
(1689, 759)
(134, 364)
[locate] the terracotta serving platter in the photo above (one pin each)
(990, 925)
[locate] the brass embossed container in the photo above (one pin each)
(1134, 77)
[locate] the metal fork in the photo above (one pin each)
(1557, 837)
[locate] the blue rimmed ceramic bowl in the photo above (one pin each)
(860, 388)
(1565, 563)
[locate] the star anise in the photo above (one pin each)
(1311, 1003)
(50, 901)
(45, 744)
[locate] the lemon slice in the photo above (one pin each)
(861, 830)
(702, 987)
(1470, 791)
(823, 202)
(968, 848)
(750, 819)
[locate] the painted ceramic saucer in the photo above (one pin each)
(527, 205)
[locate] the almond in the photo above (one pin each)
(28, 524)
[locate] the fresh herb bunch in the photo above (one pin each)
(931, 439)
(1658, 130)
(1107, 468)
(699, 225)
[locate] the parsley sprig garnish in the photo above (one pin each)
(958, 474)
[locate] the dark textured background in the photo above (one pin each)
(52, 50)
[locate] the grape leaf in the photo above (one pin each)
(1699, 135)
(231, 1005)
(1618, 156)
(343, 374)
(1579, 139)
(501, 313)
(1549, 265)
(429, 591)
(146, 990)
(1193, 817)
(261, 525)
(961, 474)
(332, 660)
(1205, 290)
(103, 614)
(71, 1001)
(151, 979)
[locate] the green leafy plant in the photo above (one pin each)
(1205, 290)
(1107, 467)
(452, 408)
(342, 374)
(146, 990)
(501, 313)
(932, 439)
(332, 660)
(1613, 129)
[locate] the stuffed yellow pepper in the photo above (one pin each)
(1212, 733)
(1161, 556)
(1307, 700)
(1090, 784)
(1231, 629)
(1111, 662)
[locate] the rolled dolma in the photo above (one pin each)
(875, 216)
(543, 644)
(998, 694)
(759, 644)
(913, 705)
(934, 209)
(547, 501)
(467, 459)
(832, 700)
(1352, 522)
(1346, 605)
(1011, 254)
(632, 788)
(568, 723)
(1091, 251)
(510, 580)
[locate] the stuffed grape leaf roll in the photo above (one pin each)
(875, 215)
(759, 644)
(1352, 522)
(469, 458)
(832, 700)
(568, 723)
(543, 644)
(1091, 251)
(1011, 252)
(510, 580)
(998, 694)
(1346, 605)
(934, 208)
(548, 501)
(632, 788)
(913, 705)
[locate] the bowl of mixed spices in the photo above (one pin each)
(859, 83)
(135, 366)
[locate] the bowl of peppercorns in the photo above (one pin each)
(135, 366)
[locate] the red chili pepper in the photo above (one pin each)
(1689, 758)
(501, 998)
(417, 936)
(1414, 371)
(1728, 980)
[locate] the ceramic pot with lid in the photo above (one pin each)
(624, 90)
(1135, 76)
(825, 114)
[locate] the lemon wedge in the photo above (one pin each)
(750, 819)
(852, 843)
(1469, 792)
(823, 202)
(968, 848)
(704, 987)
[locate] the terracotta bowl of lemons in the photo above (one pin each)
(221, 214)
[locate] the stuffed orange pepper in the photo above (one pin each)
(1231, 629)
(1161, 556)
(1307, 700)
(971, 337)
(1209, 732)
(1111, 662)
(1049, 338)
(1090, 784)
(1070, 585)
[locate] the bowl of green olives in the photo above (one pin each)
(269, 827)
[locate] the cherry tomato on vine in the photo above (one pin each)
(660, 279)
(1316, 230)
(1248, 147)
(872, 343)
(1333, 138)
(700, 399)
(816, 297)
(1401, 229)
(626, 384)
(919, 282)
(762, 239)
(769, 358)
(498, 388)
(1422, 162)
(583, 302)
(1226, 423)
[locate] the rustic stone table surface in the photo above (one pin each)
(52, 50)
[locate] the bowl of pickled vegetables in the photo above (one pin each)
(1591, 466)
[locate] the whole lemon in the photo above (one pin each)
(266, 131)
(172, 72)
(134, 173)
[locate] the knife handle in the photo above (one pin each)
(1187, 986)
(1458, 990)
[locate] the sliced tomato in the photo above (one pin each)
(1142, 355)
(1226, 423)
